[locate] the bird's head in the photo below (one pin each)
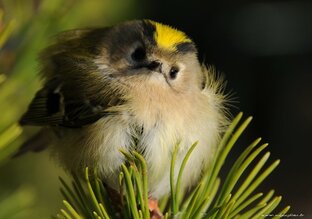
(152, 53)
(142, 54)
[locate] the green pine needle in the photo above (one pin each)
(210, 199)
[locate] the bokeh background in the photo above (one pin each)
(264, 49)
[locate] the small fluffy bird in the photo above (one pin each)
(137, 85)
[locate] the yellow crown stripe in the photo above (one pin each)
(167, 37)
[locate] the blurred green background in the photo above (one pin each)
(29, 186)
(263, 47)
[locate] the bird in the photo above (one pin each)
(137, 85)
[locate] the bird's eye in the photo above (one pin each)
(138, 54)
(173, 72)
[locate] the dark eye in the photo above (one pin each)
(173, 72)
(138, 54)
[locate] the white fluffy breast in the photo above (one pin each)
(158, 121)
(165, 121)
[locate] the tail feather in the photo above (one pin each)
(36, 143)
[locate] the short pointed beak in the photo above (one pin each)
(155, 66)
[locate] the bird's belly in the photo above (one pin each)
(100, 145)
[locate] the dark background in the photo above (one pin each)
(264, 49)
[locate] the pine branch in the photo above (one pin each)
(210, 199)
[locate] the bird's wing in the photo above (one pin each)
(50, 108)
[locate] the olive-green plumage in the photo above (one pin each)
(136, 85)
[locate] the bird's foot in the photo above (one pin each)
(154, 209)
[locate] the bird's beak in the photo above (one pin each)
(154, 66)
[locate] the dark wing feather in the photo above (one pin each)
(36, 143)
(49, 108)
(82, 113)
(66, 98)
(45, 108)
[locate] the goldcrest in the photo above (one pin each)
(137, 85)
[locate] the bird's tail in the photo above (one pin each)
(36, 143)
